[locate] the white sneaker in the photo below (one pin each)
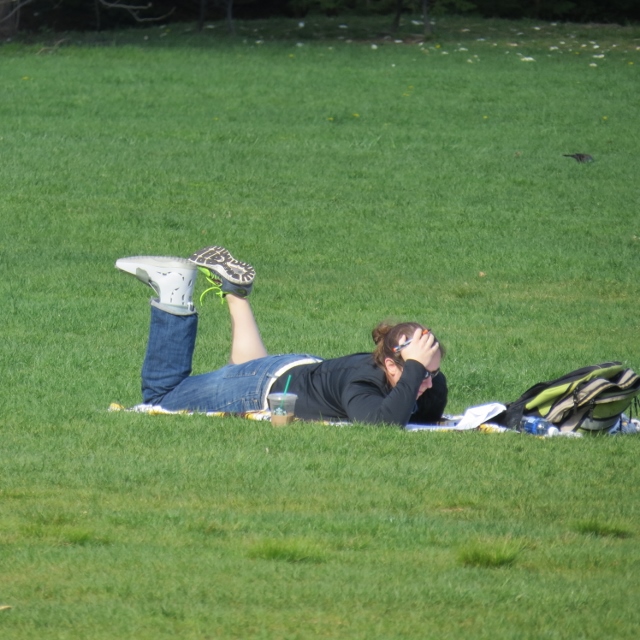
(171, 278)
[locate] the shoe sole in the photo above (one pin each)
(220, 261)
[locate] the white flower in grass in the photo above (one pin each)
(527, 59)
(463, 49)
(301, 25)
(536, 28)
(554, 48)
(599, 55)
(342, 26)
(512, 44)
(593, 64)
(374, 46)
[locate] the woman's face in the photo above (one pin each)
(394, 372)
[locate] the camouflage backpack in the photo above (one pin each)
(589, 399)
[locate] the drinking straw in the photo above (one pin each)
(284, 393)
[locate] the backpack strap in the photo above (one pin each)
(581, 396)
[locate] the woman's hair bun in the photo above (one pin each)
(379, 333)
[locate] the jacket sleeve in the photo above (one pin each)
(366, 401)
(431, 404)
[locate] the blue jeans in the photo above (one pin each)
(167, 379)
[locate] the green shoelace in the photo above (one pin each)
(215, 285)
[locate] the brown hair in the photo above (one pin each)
(387, 336)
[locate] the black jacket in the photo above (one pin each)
(354, 388)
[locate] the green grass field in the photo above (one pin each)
(365, 179)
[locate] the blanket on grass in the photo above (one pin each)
(449, 423)
(476, 419)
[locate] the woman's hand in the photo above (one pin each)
(422, 348)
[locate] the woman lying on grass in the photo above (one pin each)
(399, 382)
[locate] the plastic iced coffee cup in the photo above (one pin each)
(282, 406)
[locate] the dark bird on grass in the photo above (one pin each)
(580, 157)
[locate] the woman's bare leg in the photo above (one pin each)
(246, 343)
(234, 279)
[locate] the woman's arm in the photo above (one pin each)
(431, 404)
